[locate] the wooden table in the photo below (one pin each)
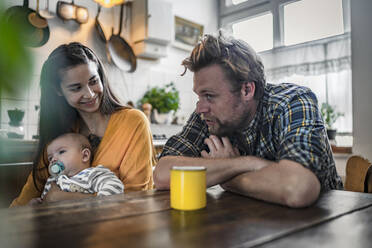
(144, 219)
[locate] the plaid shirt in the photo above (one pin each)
(287, 125)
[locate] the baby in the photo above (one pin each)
(69, 157)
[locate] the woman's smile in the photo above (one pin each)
(90, 102)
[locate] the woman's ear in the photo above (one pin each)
(248, 90)
(86, 155)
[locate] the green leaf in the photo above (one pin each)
(329, 115)
(164, 99)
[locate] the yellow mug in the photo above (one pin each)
(188, 187)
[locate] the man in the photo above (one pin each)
(260, 140)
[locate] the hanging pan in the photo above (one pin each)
(31, 35)
(36, 19)
(45, 12)
(101, 34)
(98, 26)
(40, 23)
(120, 51)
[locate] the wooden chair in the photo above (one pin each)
(358, 175)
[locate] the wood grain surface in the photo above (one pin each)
(145, 219)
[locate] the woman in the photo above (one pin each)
(75, 96)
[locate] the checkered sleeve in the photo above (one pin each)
(302, 138)
(190, 141)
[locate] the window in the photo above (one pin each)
(234, 2)
(306, 42)
(338, 87)
(309, 20)
(257, 31)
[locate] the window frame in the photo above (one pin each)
(253, 8)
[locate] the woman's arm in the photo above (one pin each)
(56, 194)
(136, 166)
(28, 192)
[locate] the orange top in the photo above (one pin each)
(126, 149)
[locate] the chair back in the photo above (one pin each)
(358, 174)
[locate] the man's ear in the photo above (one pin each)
(248, 90)
(86, 154)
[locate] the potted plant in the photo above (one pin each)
(330, 116)
(164, 102)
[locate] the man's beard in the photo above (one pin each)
(227, 128)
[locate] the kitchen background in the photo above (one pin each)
(128, 86)
(132, 86)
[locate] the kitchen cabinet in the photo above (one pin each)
(12, 178)
(151, 27)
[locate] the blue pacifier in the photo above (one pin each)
(56, 168)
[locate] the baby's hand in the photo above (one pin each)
(35, 201)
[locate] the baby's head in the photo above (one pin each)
(72, 150)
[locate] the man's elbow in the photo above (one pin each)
(161, 177)
(160, 184)
(301, 193)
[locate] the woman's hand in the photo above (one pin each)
(54, 194)
(35, 201)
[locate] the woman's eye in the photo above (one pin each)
(93, 82)
(75, 89)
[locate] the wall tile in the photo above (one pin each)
(7, 127)
(33, 113)
(34, 88)
(12, 104)
(31, 130)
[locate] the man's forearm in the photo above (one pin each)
(286, 183)
(218, 170)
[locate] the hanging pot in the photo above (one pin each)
(120, 51)
(70, 11)
(31, 35)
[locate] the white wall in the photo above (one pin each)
(129, 86)
(361, 46)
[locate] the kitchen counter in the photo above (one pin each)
(19, 151)
(14, 151)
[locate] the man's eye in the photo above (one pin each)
(208, 97)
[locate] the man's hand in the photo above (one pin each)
(219, 148)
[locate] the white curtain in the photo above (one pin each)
(325, 67)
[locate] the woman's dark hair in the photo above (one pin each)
(56, 115)
(238, 60)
